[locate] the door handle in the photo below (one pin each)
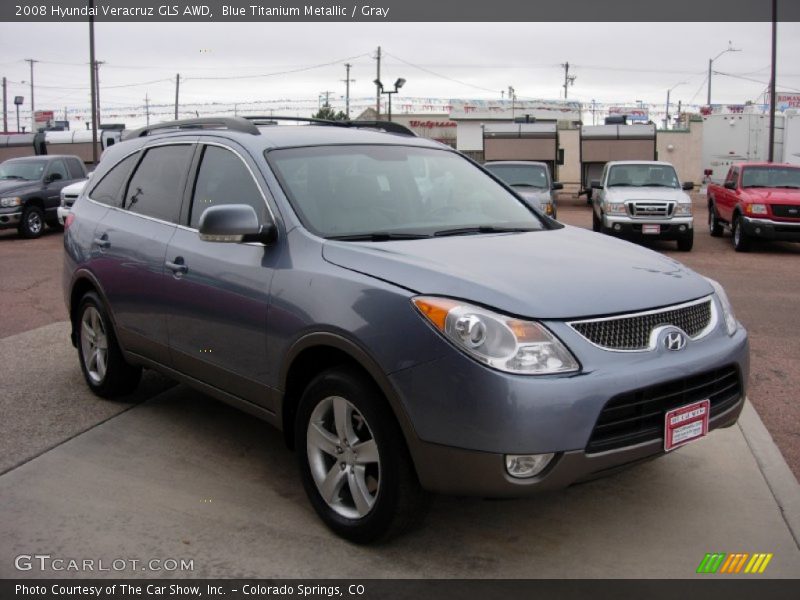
(102, 241)
(178, 267)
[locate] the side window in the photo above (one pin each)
(108, 189)
(156, 188)
(223, 179)
(76, 170)
(57, 167)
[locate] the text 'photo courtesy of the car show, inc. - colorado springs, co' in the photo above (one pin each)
(409, 299)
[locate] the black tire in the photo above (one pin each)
(117, 378)
(686, 242)
(398, 500)
(741, 241)
(31, 224)
(597, 225)
(714, 226)
(55, 225)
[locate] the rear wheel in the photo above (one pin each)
(353, 460)
(714, 226)
(104, 368)
(741, 241)
(32, 223)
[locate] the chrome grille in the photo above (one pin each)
(787, 211)
(632, 332)
(646, 208)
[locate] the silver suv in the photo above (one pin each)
(405, 334)
(643, 200)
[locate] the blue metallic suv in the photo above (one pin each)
(401, 314)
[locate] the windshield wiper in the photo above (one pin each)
(482, 229)
(378, 236)
(12, 177)
(787, 186)
(620, 185)
(666, 185)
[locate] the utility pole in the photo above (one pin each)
(772, 97)
(5, 108)
(512, 95)
(378, 87)
(147, 107)
(347, 90)
(177, 90)
(93, 83)
(33, 118)
(568, 79)
(97, 64)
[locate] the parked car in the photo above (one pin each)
(69, 194)
(758, 201)
(402, 343)
(531, 180)
(643, 200)
(30, 191)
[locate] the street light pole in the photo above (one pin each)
(666, 116)
(397, 85)
(772, 97)
(730, 48)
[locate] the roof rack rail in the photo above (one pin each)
(388, 126)
(232, 123)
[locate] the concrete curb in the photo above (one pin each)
(779, 477)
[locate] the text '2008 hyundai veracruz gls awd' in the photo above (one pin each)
(400, 313)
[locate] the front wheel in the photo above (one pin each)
(741, 241)
(104, 368)
(32, 223)
(686, 242)
(597, 225)
(714, 226)
(353, 460)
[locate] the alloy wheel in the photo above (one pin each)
(94, 345)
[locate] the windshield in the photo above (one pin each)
(395, 192)
(643, 176)
(29, 170)
(771, 177)
(521, 175)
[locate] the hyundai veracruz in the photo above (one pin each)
(405, 335)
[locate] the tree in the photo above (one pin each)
(327, 113)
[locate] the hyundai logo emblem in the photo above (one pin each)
(675, 340)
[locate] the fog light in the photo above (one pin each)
(682, 228)
(527, 465)
(617, 227)
(758, 230)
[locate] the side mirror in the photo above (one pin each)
(731, 185)
(595, 184)
(688, 186)
(53, 177)
(557, 185)
(235, 223)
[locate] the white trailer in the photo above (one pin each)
(732, 138)
(791, 138)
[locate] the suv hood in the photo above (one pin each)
(620, 194)
(8, 186)
(556, 274)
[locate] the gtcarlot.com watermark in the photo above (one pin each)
(56, 564)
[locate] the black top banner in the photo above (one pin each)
(400, 10)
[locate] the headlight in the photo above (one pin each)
(731, 325)
(504, 343)
(683, 210)
(10, 201)
(757, 209)
(616, 208)
(547, 207)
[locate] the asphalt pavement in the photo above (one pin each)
(179, 476)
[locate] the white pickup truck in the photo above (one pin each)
(641, 200)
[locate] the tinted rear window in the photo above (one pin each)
(156, 188)
(109, 189)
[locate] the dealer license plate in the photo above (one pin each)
(651, 229)
(685, 424)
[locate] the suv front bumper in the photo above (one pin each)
(9, 219)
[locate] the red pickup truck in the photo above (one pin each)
(757, 201)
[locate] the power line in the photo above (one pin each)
(477, 87)
(287, 72)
